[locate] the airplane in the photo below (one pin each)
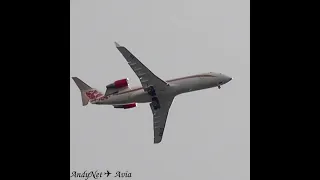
(155, 91)
(107, 173)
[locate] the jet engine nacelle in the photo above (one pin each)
(119, 84)
(126, 106)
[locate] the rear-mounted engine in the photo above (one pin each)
(126, 106)
(119, 84)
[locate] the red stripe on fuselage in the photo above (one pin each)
(171, 80)
(187, 77)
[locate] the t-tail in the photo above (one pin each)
(88, 94)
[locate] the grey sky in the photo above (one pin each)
(207, 134)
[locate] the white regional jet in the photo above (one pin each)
(157, 92)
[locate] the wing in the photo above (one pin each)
(160, 118)
(147, 78)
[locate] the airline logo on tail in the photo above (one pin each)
(93, 94)
(89, 94)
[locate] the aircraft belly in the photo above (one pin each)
(119, 99)
(140, 97)
(187, 85)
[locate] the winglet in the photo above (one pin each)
(117, 45)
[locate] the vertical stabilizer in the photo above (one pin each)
(88, 94)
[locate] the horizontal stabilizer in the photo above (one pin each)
(88, 94)
(81, 85)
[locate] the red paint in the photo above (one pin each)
(93, 94)
(121, 83)
(127, 106)
(172, 80)
(103, 98)
(188, 77)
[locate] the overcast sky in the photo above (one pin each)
(207, 135)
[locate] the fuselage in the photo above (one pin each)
(176, 86)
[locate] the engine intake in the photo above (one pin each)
(126, 106)
(119, 84)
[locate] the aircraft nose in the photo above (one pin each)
(228, 78)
